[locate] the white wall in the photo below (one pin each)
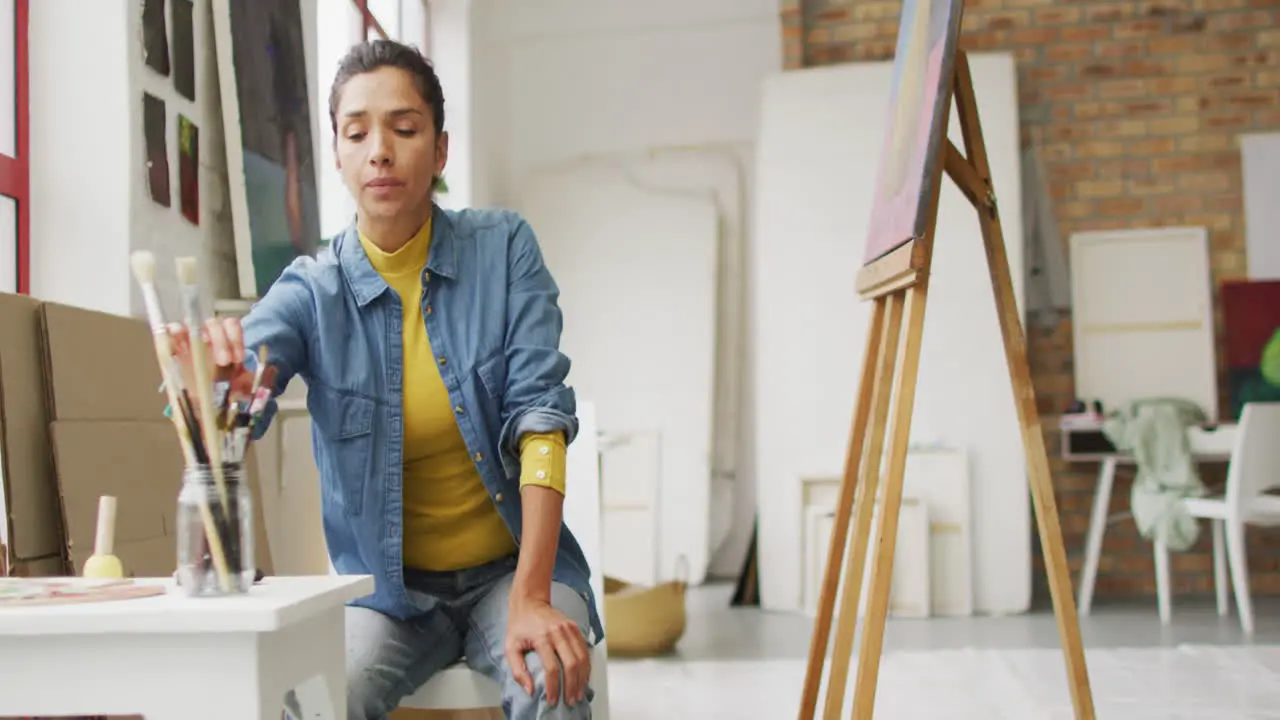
(83, 176)
(562, 80)
(89, 199)
(819, 154)
(90, 206)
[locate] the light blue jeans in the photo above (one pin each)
(388, 659)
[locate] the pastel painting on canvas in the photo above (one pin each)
(1251, 334)
(918, 118)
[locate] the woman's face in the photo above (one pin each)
(386, 146)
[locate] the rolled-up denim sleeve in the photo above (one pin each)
(536, 398)
(282, 321)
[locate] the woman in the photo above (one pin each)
(428, 340)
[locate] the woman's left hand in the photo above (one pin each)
(535, 626)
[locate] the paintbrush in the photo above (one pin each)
(144, 271)
(188, 277)
(180, 412)
(246, 417)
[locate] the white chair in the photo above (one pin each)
(460, 688)
(1254, 468)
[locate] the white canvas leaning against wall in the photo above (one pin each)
(720, 172)
(1152, 338)
(637, 274)
(1260, 168)
(818, 153)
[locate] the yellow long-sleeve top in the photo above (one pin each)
(450, 522)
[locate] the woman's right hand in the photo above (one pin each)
(225, 353)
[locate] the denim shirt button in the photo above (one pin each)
(442, 360)
(479, 457)
(497, 498)
(459, 410)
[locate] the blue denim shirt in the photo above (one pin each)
(491, 313)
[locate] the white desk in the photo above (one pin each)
(170, 657)
(1087, 445)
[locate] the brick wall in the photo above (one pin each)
(1137, 107)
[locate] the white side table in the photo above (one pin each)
(170, 657)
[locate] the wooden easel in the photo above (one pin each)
(898, 284)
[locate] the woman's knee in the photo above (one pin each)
(369, 696)
(522, 706)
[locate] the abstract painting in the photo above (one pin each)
(262, 68)
(1251, 333)
(155, 36)
(155, 146)
(189, 169)
(918, 116)
(184, 51)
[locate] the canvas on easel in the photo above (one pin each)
(929, 70)
(916, 127)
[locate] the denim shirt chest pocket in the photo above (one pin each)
(344, 422)
(492, 372)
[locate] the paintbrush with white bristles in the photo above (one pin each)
(180, 411)
(144, 271)
(188, 284)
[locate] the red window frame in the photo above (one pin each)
(370, 22)
(15, 172)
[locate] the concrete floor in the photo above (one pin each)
(743, 662)
(717, 631)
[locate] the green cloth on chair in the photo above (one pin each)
(1154, 431)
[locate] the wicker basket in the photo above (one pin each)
(645, 621)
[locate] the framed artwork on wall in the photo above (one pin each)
(156, 147)
(262, 70)
(155, 36)
(184, 52)
(189, 169)
(1251, 334)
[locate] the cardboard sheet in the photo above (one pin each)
(83, 349)
(140, 463)
(32, 519)
(81, 415)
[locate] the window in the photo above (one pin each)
(15, 211)
(403, 20)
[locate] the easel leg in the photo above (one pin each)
(1055, 556)
(907, 364)
(844, 507)
(864, 506)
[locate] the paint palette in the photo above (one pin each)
(60, 591)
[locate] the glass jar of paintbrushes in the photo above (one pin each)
(214, 422)
(215, 531)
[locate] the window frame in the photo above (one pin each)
(368, 21)
(15, 171)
